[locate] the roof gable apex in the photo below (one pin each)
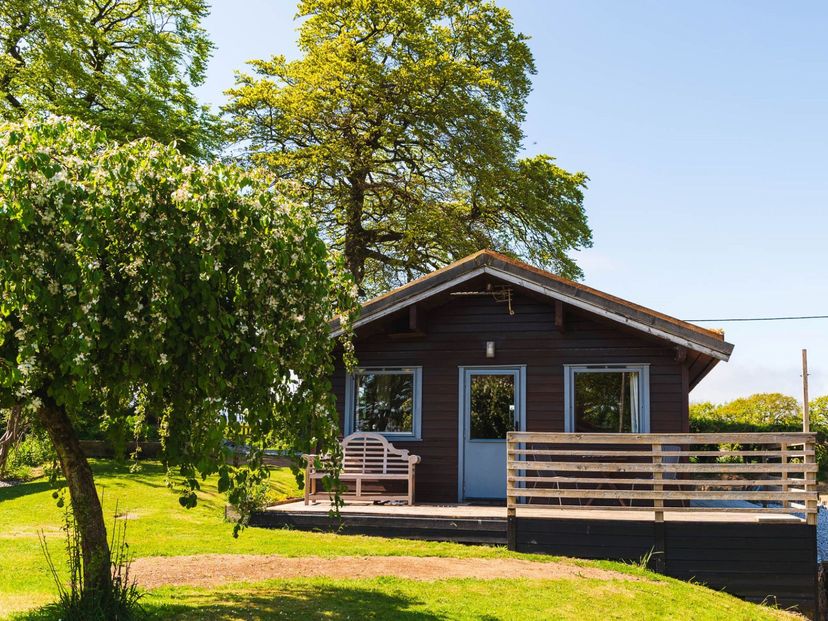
(555, 287)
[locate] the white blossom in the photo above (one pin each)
(181, 195)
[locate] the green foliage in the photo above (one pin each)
(78, 604)
(401, 124)
(764, 412)
(603, 401)
(492, 406)
(125, 65)
(134, 281)
(772, 410)
(34, 449)
(818, 412)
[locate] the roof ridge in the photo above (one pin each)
(715, 333)
(493, 254)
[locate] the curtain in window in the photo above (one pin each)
(635, 408)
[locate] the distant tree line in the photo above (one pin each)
(759, 412)
(763, 412)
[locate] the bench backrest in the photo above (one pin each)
(370, 453)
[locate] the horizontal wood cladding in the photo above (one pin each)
(456, 329)
(754, 561)
(459, 530)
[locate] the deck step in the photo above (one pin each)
(490, 531)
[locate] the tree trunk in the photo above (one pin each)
(355, 238)
(15, 428)
(85, 502)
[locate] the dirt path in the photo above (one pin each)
(216, 569)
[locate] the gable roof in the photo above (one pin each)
(696, 338)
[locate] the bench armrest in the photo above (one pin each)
(413, 459)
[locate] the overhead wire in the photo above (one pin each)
(790, 318)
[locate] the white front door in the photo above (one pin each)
(491, 403)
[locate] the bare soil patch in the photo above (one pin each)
(216, 569)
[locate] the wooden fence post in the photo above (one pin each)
(511, 529)
(658, 503)
(783, 453)
(511, 498)
(810, 483)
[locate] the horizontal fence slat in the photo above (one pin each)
(575, 507)
(663, 468)
(700, 453)
(683, 482)
(660, 495)
(657, 468)
(794, 438)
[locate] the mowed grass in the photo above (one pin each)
(159, 526)
(404, 600)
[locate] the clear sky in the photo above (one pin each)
(703, 127)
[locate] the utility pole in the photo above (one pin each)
(806, 414)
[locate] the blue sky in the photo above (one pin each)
(703, 127)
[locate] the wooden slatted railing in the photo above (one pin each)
(664, 472)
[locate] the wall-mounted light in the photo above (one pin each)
(490, 349)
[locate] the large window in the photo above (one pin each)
(384, 400)
(607, 398)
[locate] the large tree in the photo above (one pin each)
(125, 65)
(134, 281)
(401, 123)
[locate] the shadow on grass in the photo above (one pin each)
(24, 489)
(286, 601)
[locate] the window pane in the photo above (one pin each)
(606, 402)
(492, 406)
(385, 402)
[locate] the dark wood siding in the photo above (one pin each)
(774, 562)
(456, 331)
(428, 528)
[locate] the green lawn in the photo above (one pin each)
(158, 526)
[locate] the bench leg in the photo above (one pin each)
(358, 489)
(307, 484)
(411, 486)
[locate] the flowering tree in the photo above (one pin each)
(134, 282)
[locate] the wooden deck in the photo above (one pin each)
(465, 523)
(456, 523)
(468, 511)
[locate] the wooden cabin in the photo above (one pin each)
(452, 361)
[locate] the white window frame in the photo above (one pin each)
(643, 370)
(350, 395)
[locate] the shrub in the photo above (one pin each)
(75, 603)
(766, 412)
(34, 450)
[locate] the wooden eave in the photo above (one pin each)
(676, 331)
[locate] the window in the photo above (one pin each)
(491, 405)
(384, 400)
(607, 398)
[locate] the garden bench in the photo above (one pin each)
(365, 457)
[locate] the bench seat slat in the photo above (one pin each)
(360, 475)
